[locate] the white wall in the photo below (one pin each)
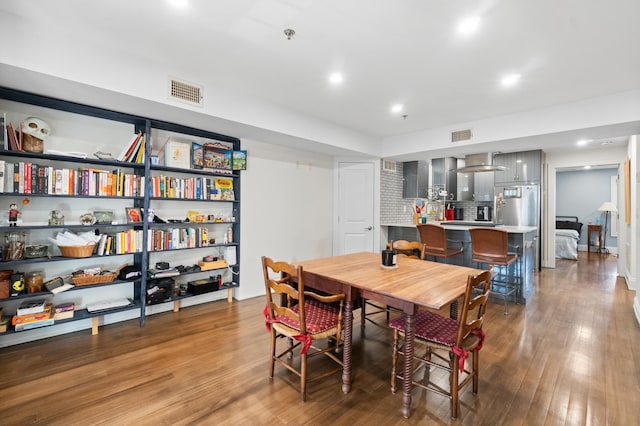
(631, 231)
(286, 213)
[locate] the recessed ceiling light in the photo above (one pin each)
(587, 167)
(510, 79)
(583, 142)
(468, 25)
(336, 78)
(396, 108)
(178, 3)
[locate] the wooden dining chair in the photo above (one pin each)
(448, 342)
(436, 244)
(413, 249)
(302, 317)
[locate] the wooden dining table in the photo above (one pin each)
(412, 284)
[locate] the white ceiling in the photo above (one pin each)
(393, 51)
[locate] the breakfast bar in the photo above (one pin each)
(522, 240)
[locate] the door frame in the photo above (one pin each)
(336, 198)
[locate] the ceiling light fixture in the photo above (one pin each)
(396, 108)
(469, 25)
(510, 79)
(336, 78)
(587, 167)
(178, 3)
(583, 142)
(289, 33)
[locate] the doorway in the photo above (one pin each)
(357, 206)
(586, 184)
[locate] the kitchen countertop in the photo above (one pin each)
(453, 226)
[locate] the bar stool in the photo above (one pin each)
(490, 246)
(434, 238)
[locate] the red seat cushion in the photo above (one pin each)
(430, 326)
(320, 317)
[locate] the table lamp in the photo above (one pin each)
(607, 207)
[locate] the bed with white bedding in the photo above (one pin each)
(567, 236)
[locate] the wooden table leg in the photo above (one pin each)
(408, 366)
(94, 325)
(346, 348)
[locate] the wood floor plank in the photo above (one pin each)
(568, 357)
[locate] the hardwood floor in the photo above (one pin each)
(569, 357)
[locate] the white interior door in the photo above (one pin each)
(356, 207)
(614, 200)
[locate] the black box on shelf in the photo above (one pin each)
(159, 290)
(206, 285)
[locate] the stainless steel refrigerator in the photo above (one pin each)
(519, 205)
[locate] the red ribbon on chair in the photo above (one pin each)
(305, 339)
(478, 332)
(267, 321)
(306, 342)
(462, 356)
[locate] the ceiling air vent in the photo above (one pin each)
(185, 92)
(461, 135)
(389, 166)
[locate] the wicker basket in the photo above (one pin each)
(77, 251)
(93, 279)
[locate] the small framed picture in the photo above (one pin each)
(134, 214)
(239, 160)
(216, 158)
(196, 155)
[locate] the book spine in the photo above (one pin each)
(2, 174)
(21, 180)
(58, 182)
(50, 179)
(42, 183)
(35, 324)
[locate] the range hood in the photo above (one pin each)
(479, 163)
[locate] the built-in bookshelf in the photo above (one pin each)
(97, 160)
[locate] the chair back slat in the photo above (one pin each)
(474, 307)
(288, 287)
(409, 248)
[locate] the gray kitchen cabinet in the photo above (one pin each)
(415, 183)
(483, 186)
(445, 174)
(465, 183)
(521, 167)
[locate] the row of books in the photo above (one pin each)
(193, 188)
(130, 241)
(32, 178)
(40, 313)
